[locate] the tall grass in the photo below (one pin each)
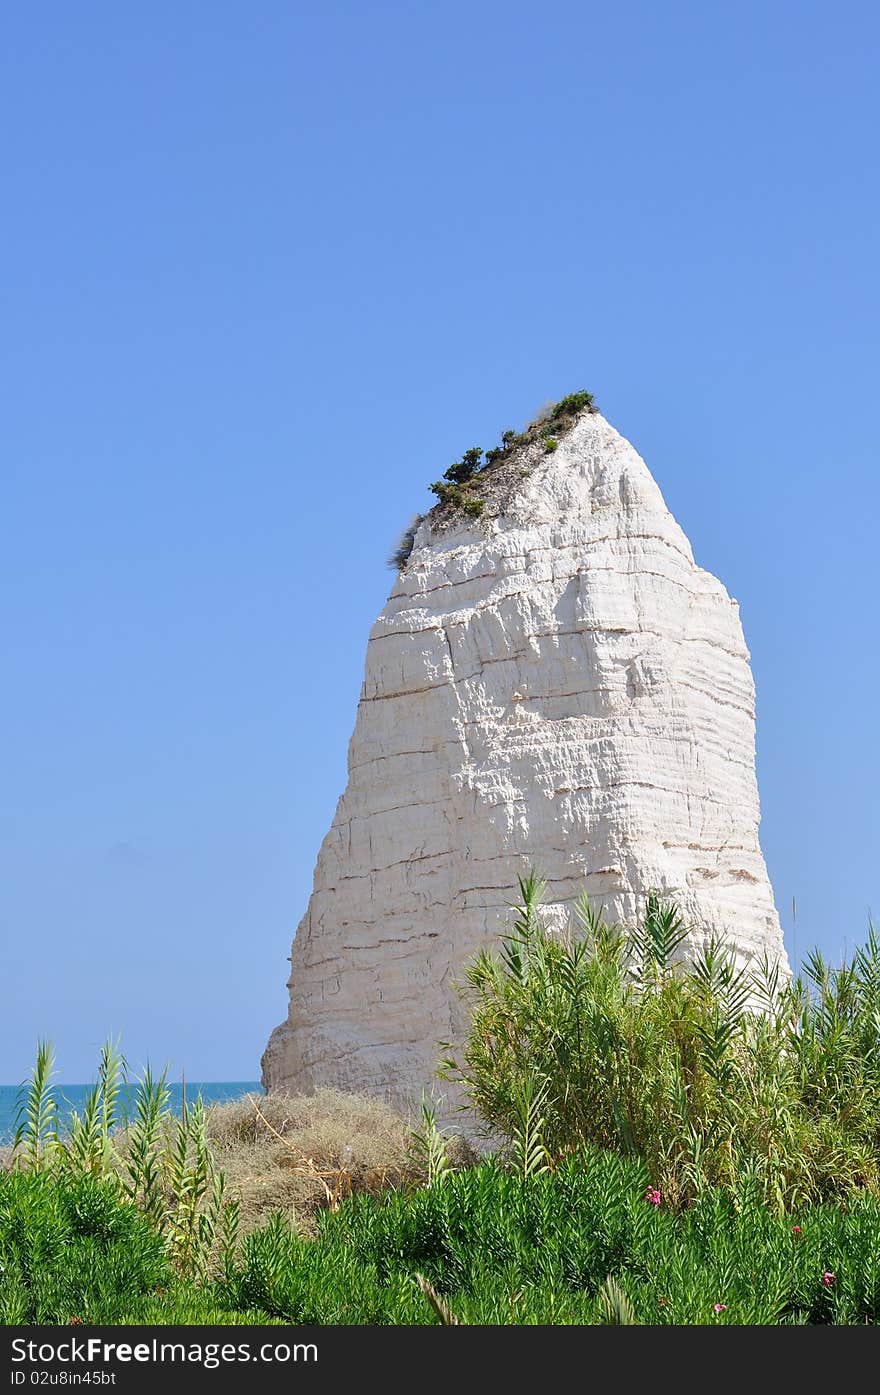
(683, 1142)
(710, 1073)
(89, 1147)
(160, 1161)
(36, 1135)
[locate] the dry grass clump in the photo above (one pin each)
(302, 1153)
(295, 1153)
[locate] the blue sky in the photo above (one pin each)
(265, 271)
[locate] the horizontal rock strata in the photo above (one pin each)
(557, 686)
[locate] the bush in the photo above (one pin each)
(572, 404)
(451, 490)
(72, 1248)
(465, 469)
(509, 439)
(318, 1282)
(447, 493)
(709, 1074)
(204, 1179)
(497, 1247)
(457, 497)
(588, 1239)
(155, 1159)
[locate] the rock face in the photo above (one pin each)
(554, 685)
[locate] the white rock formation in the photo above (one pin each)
(555, 686)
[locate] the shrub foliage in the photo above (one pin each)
(456, 489)
(707, 1072)
(161, 1162)
(585, 1240)
(682, 1140)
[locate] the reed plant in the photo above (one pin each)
(713, 1074)
(128, 1135)
(36, 1139)
(683, 1139)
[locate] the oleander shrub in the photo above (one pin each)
(589, 1240)
(318, 1282)
(74, 1250)
(70, 1247)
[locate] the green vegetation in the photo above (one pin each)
(458, 497)
(400, 555)
(73, 1249)
(571, 405)
(473, 507)
(451, 489)
(503, 1248)
(162, 1163)
(675, 1143)
(710, 1074)
(509, 439)
(465, 469)
(590, 1240)
(455, 489)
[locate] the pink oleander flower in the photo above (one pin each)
(653, 1195)
(796, 1230)
(719, 1307)
(829, 1279)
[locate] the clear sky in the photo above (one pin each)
(266, 270)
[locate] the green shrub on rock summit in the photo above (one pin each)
(453, 490)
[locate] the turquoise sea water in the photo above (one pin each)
(70, 1097)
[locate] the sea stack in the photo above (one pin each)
(554, 684)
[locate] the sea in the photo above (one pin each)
(71, 1097)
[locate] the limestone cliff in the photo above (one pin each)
(556, 685)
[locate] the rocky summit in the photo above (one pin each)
(554, 684)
